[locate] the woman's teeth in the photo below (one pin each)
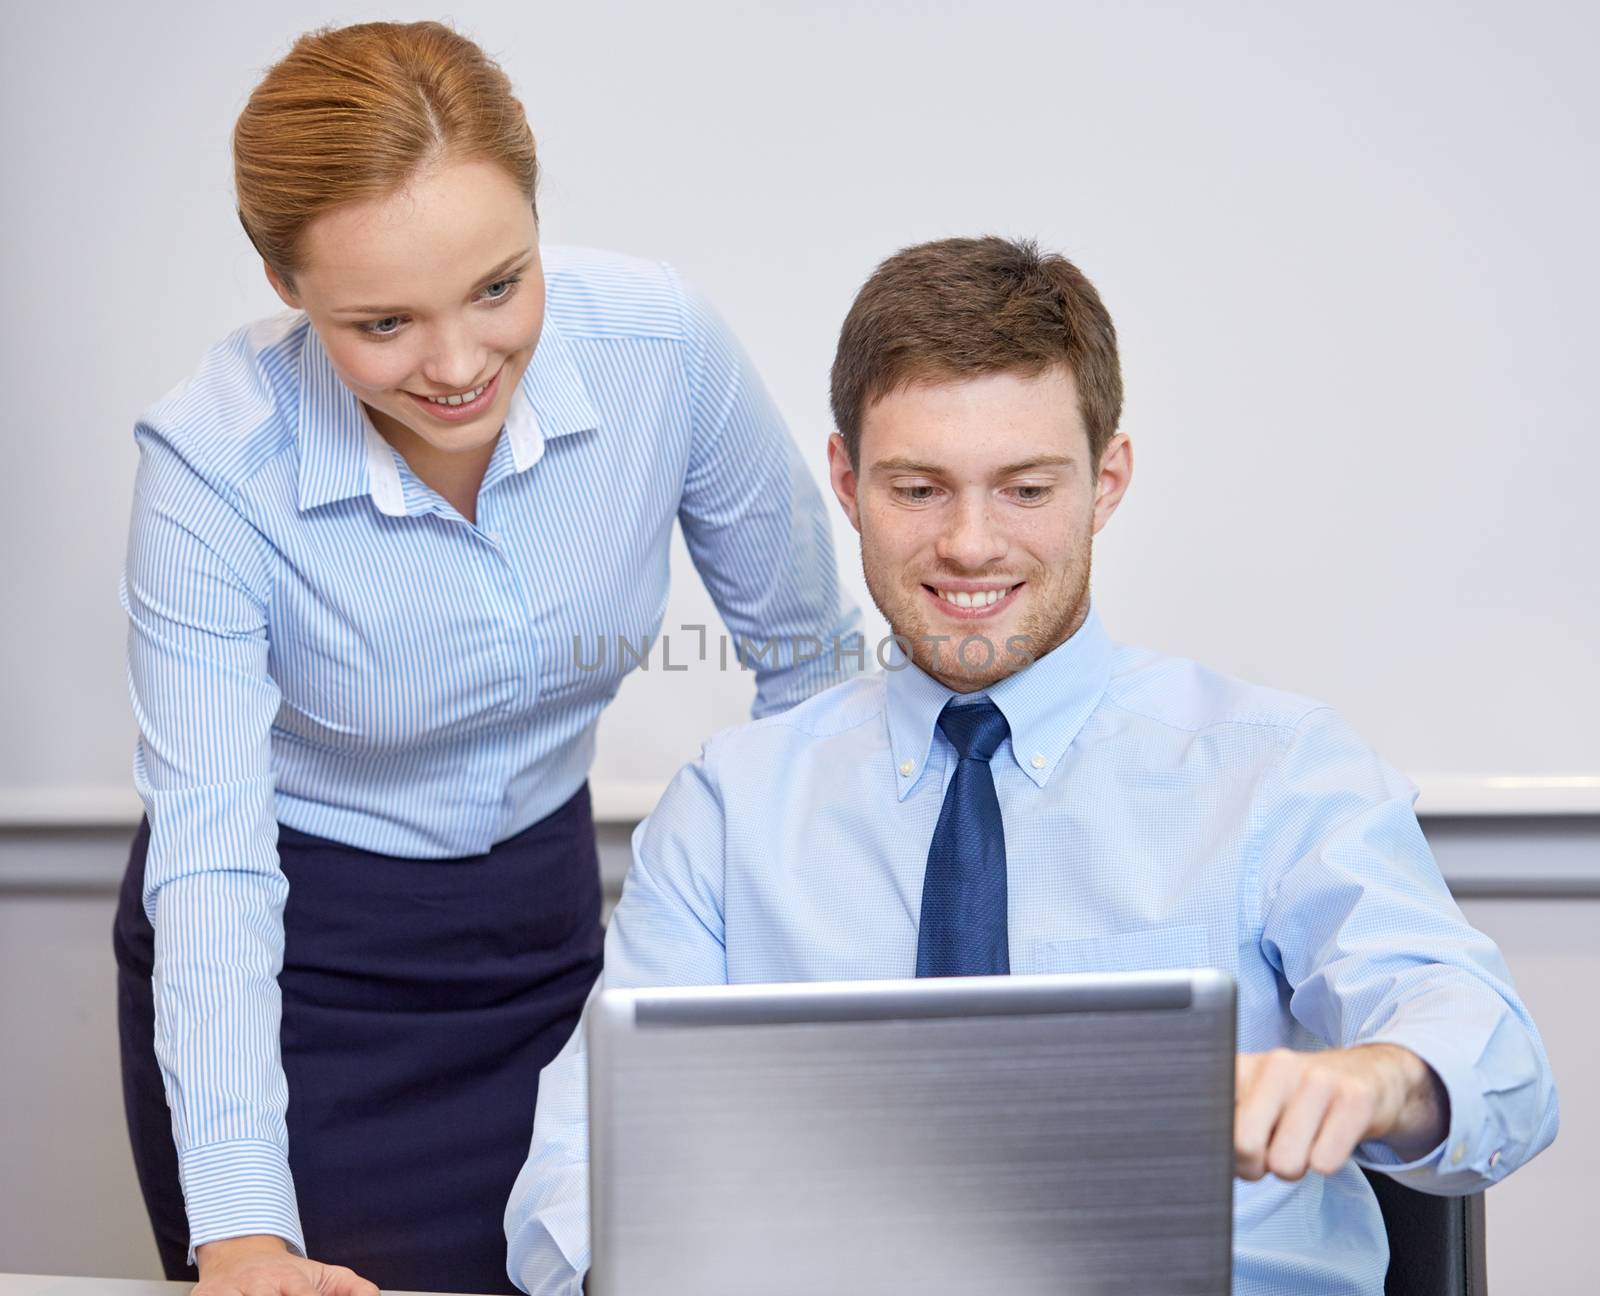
(462, 399)
(976, 599)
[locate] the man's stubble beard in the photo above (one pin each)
(1050, 622)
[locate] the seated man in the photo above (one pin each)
(1017, 793)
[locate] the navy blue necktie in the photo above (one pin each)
(963, 928)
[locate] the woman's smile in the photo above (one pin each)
(461, 407)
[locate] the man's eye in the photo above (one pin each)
(1032, 494)
(915, 494)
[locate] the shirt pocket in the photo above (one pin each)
(1151, 949)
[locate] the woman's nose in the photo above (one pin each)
(456, 360)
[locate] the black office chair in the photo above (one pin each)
(1435, 1243)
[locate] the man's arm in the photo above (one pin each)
(1295, 1112)
(1376, 952)
(667, 930)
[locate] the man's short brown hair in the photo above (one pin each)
(962, 308)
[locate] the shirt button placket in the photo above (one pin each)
(509, 610)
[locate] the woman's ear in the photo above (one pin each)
(279, 286)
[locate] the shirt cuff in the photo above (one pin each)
(237, 1189)
(550, 1251)
(1469, 1157)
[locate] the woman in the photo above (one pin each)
(378, 546)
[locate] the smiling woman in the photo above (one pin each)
(437, 367)
(363, 911)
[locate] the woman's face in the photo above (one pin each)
(429, 302)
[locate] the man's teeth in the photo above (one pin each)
(462, 399)
(979, 598)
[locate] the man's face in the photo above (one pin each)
(977, 503)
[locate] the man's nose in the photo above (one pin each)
(974, 538)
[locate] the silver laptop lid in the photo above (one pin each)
(1016, 1135)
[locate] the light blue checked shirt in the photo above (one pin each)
(1157, 815)
(317, 638)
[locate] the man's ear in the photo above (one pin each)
(843, 477)
(287, 294)
(1116, 471)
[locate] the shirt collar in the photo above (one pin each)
(383, 481)
(1045, 705)
(330, 431)
(343, 455)
(557, 401)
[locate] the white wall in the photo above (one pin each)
(1349, 249)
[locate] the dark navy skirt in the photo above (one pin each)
(421, 998)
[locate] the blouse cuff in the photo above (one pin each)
(237, 1189)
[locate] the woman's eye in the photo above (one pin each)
(385, 327)
(499, 290)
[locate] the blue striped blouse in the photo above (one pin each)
(317, 638)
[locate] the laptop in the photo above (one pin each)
(1009, 1135)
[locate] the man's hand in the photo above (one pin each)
(1295, 1112)
(264, 1266)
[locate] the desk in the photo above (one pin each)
(55, 1285)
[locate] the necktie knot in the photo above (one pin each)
(975, 731)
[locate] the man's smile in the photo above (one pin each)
(973, 600)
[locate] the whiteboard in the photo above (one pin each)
(1349, 249)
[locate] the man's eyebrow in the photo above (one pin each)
(489, 276)
(898, 464)
(1038, 461)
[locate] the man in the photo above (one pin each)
(1097, 807)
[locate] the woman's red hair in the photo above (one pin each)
(352, 113)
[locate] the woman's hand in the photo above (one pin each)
(264, 1266)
